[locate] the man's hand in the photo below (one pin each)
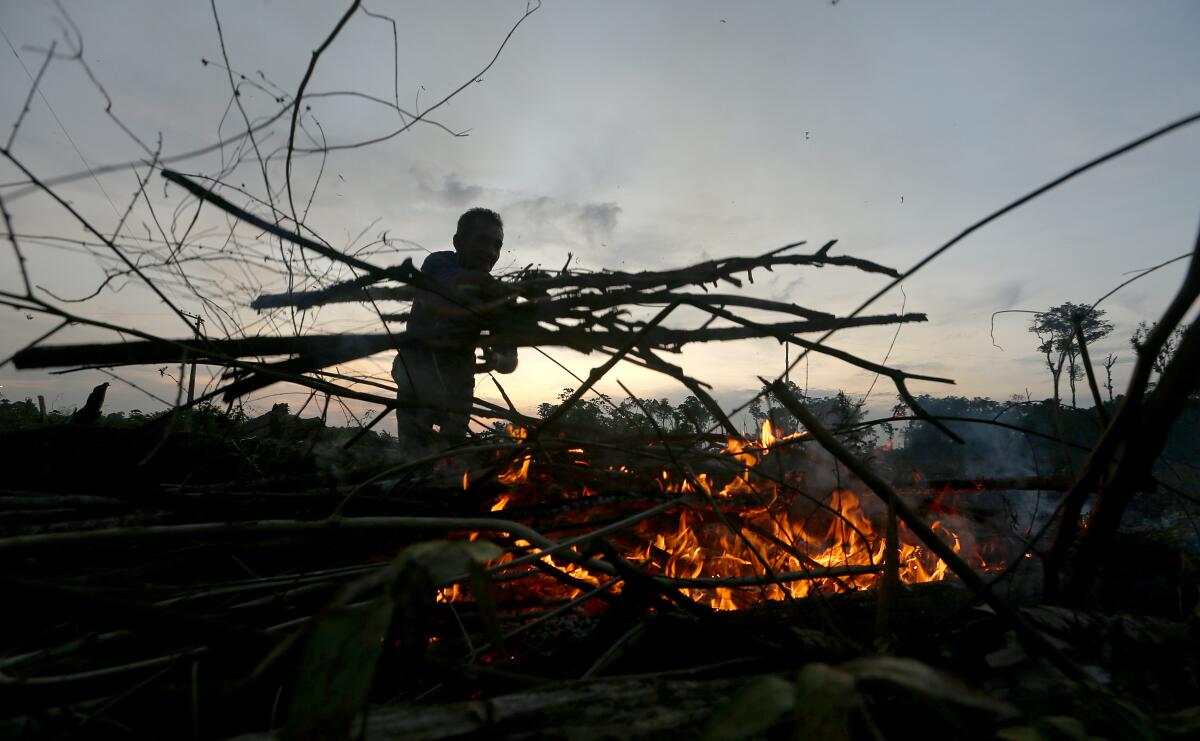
(480, 287)
(500, 359)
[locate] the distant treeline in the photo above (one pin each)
(1002, 438)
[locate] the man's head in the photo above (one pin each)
(478, 239)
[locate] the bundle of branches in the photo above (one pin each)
(583, 311)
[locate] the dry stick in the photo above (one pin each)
(710, 271)
(803, 558)
(639, 581)
(1085, 358)
(701, 300)
(1116, 433)
(312, 65)
(58, 682)
(612, 652)
(29, 98)
(343, 348)
(897, 376)
(530, 9)
(619, 287)
(891, 574)
(188, 345)
(677, 338)
(360, 380)
(354, 291)
(12, 238)
(112, 245)
(208, 196)
(387, 409)
(218, 145)
(658, 364)
(503, 394)
(266, 528)
(114, 700)
(53, 356)
(831, 572)
(540, 566)
(1142, 274)
(1032, 639)
(601, 532)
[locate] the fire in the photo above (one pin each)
(699, 545)
(769, 439)
(519, 475)
(783, 527)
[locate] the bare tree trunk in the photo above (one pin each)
(1109, 362)
(1056, 374)
(1072, 370)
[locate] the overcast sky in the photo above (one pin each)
(649, 135)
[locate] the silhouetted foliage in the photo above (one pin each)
(1055, 331)
(1167, 353)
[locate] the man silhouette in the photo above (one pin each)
(435, 372)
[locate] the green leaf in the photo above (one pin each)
(444, 560)
(923, 683)
(826, 703)
(336, 671)
(485, 601)
(755, 707)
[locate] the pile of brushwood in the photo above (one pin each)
(409, 598)
(406, 602)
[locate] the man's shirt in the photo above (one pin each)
(441, 268)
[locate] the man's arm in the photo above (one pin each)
(499, 359)
(467, 290)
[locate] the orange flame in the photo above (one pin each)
(779, 531)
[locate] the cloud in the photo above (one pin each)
(1009, 294)
(595, 221)
(458, 193)
(452, 191)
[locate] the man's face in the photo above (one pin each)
(479, 248)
